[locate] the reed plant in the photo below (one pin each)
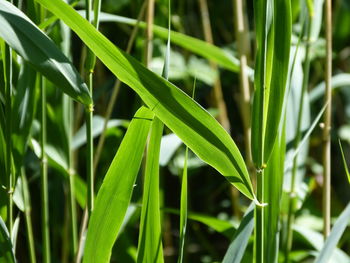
(151, 170)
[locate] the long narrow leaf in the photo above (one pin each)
(114, 195)
(39, 51)
(150, 248)
(334, 237)
(235, 252)
(195, 126)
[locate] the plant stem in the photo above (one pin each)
(327, 124)
(115, 91)
(259, 219)
(243, 45)
(44, 184)
(149, 32)
(71, 175)
(218, 96)
(298, 133)
(28, 219)
(7, 63)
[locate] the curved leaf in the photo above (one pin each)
(39, 51)
(114, 195)
(194, 125)
(334, 237)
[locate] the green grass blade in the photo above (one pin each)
(195, 126)
(197, 46)
(38, 50)
(282, 40)
(334, 236)
(115, 193)
(150, 248)
(344, 162)
(236, 250)
(6, 250)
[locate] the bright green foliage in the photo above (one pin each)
(150, 248)
(115, 193)
(195, 126)
(274, 30)
(38, 50)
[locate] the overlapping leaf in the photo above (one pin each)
(194, 125)
(39, 51)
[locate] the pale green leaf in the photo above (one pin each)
(115, 193)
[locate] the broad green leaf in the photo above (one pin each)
(235, 252)
(197, 46)
(6, 250)
(150, 248)
(114, 195)
(334, 237)
(40, 52)
(24, 107)
(344, 162)
(194, 125)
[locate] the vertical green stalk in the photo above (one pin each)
(7, 64)
(292, 193)
(71, 175)
(149, 32)
(327, 124)
(44, 184)
(28, 219)
(259, 219)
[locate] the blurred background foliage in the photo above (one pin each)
(212, 214)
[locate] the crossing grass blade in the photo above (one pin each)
(344, 162)
(236, 250)
(40, 52)
(332, 240)
(114, 195)
(150, 248)
(194, 125)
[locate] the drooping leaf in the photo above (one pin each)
(40, 52)
(240, 240)
(195, 126)
(114, 195)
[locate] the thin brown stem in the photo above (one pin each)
(217, 89)
(327, 124)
